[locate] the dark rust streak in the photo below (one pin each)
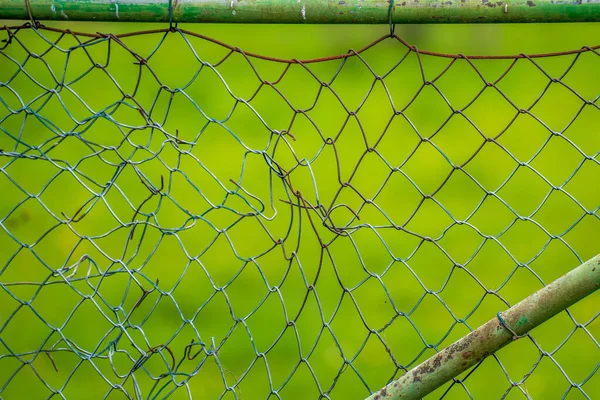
(52, 360)
(160, 347)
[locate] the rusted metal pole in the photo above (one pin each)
(306, 11)
(495, 334)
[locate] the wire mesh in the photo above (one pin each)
(182, 218)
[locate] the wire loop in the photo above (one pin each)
(172, 28)
(392, 25)
(34, 24)
(508, 328)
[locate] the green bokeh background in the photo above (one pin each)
(434, 319)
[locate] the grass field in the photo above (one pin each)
(275, 296)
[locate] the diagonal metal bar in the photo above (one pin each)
(510, 325)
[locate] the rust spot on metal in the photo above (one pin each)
(423, 369)
(463, 344)
(530, 3)
(383, 392)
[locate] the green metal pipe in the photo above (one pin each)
(495, 334)
(306, 11)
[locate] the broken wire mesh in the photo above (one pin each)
(178, 215)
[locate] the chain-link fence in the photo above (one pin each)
(179, 217)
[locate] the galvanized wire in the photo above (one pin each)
(302, 203)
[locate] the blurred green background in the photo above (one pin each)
(239, 282)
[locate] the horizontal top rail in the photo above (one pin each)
(306, 11)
